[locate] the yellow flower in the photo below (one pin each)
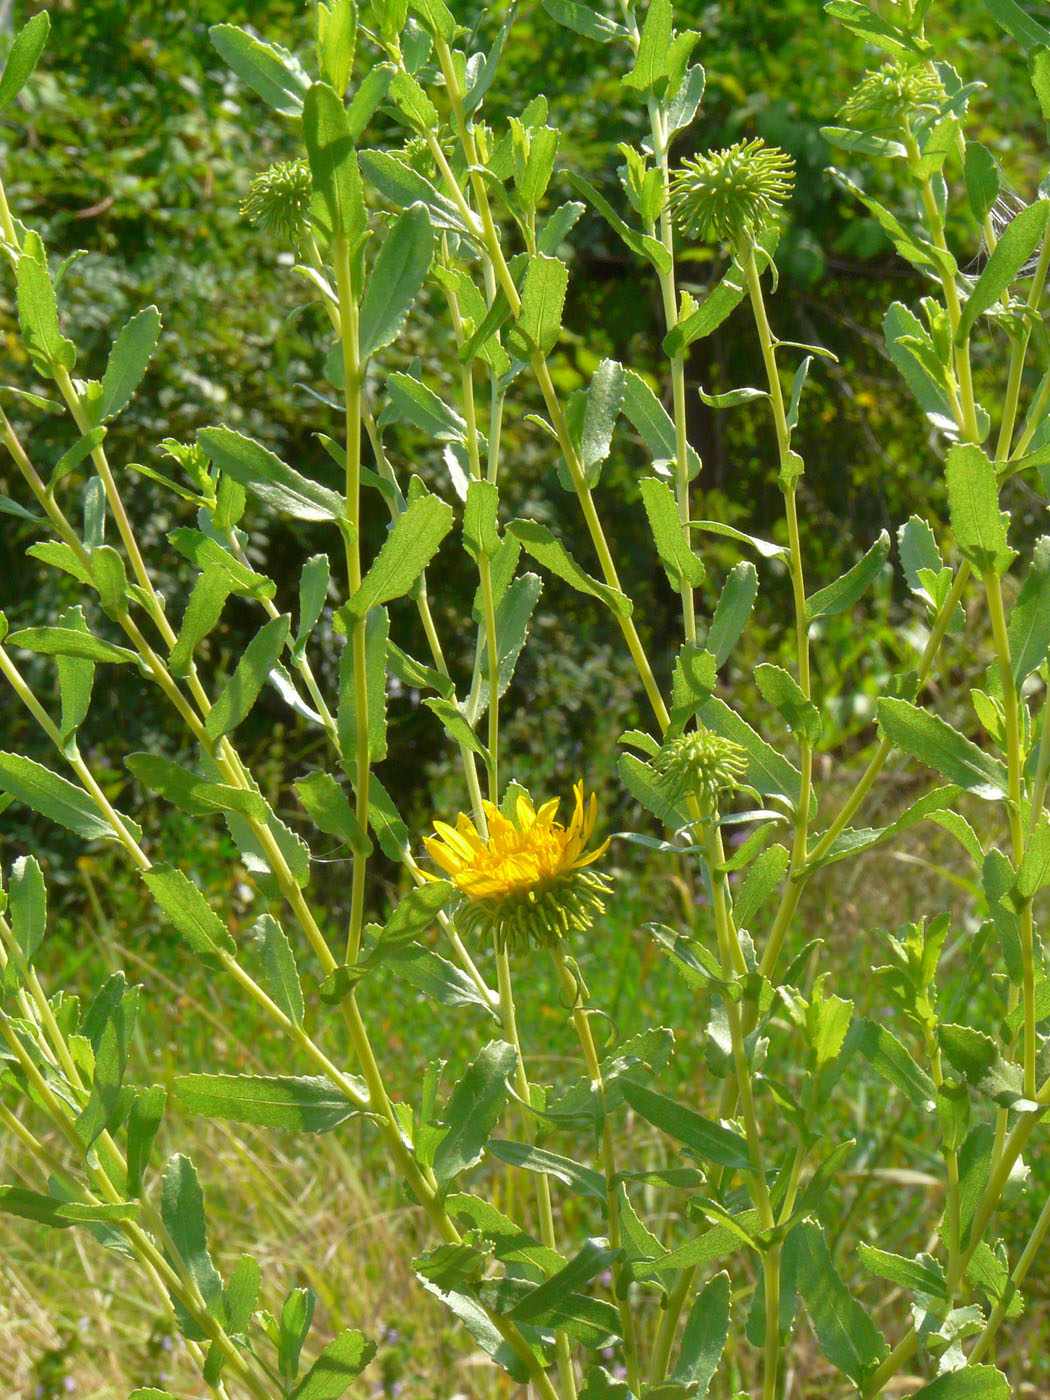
(527, 879)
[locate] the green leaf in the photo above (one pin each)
(403, 186)
(107, 569)
(474, 1110)
(1017, 242)
(72, 458)
(732, 611)
(206, 553)
(513, 615)
(415, 913)
(536, 1306)
(328, 807)
(602, 404)
(272, 480)
(1029, 628)
(69, 641)
(907, 1273)
(1018, 23)
(296, 1316)
(885, 35)
(888, 1057)
(342, 1359)
(692, 681)
(191, 793)
(704, 1338)
(982, 179)
(766, 548)
(583, 1180)
(396, 278)
(189, 911)
(536, 330)
(511, 1244)
(552, 555)
(308, 1104)
(767, 770)
(22, 57)
(970, 1383)
(847, 1335)
(242, 1295)
(652, 422)
(480, 531)
(338, 207)
(313, 590)
(58, 800)
(242, 689)
(645, 247)
(582, 19)
(38, 315)
(761, 880)
(279, 976)
(145, 1117)
(28, 899)
(377, 631)
(709, 1141)
(682, 567)
(60, 1215)
(416, 404)
(127, 362)
(182, 1211)
(782, 691)
(268, 69)
(336, 40)
(203, 611)
(910, 246)
(845, 591)
(934, 742)
(650, 64)
(412, 543)
(719, 303)
(75, 682)
(436, 978)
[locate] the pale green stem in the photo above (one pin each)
(581, 1024)
(1018, 352)
(1014, 760)
(1017, 1277)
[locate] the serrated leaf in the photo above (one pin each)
(70, 641)
(328, 807)
(847, 1335)
(22, 57)
(584, 1180)
(127, 362)
(268, 69)
(189, 911)
(934, 742)
(782, 691)
(653, 423)
(767, 770)
(308, 1104)
(970, 1383)
(682, 567)
(342, 1359)
(890, 1058)
(719, 303)
(242, 689)
(58, 800)
(413, 541)
(710, 1141)
(553, 556)
(38, 316)
(403, 186)
(538, 325)
(272, 480)
(1017, 242)
(474, 1110)
(982, 179)
(191, 793)
(1018, 23)
(60, 1215)
(279, 975)
(852, 585)
(1029, 627)
(144, 1120)
(732, 610)
(585, 20)
(395, 280)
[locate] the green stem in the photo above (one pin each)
(1018, 353)
(621, 1280)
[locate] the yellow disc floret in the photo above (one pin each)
(526, 880)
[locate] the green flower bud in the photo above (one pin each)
(278, 200)
(733, 194)
(701, 765)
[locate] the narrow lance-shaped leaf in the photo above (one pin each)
(1017, 242)
(704, 1338)
(339, 205)
(847, 1335)
(242, 689)
(554, 557)
(1029, 628)
(377, 632)
(536, 330)
(970, 1383)
(848, 589)
(191, 793)
(128, 361)
(60, 1215)
(70, 641)
(682, 567)
(395, 280)
(708, 1140)
(182, 1210)
(58, 800)
(732, 610)
(585, 20)
(412, 543)
(304, 1105)
(22, 57)
(279, 976)
(653, 423)
(1018, 23)
(189, 911)
(38, 315)
(272, 480)
(28, 905)
(328, 807)
(474, 1109)
(933, 741)
(342, 1359)
(268, 69)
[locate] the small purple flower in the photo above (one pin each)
(605, 1278)
(167, 1343)
(69, 1385)
(608, 1353)
(391, 1337)
(619, 1372)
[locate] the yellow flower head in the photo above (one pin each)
(527, 880)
